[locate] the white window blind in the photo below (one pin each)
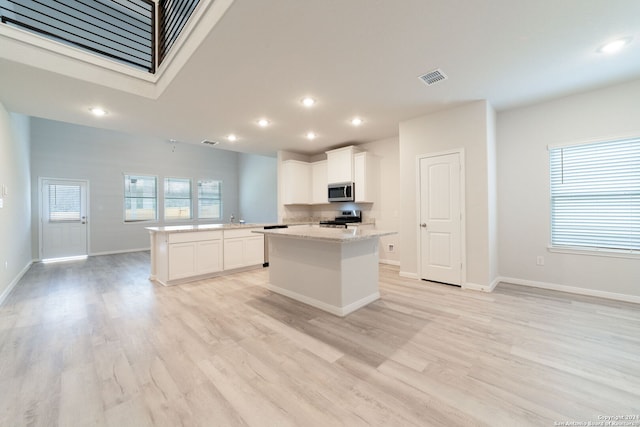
(595, 195)
(64, 202)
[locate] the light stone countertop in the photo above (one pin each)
(202, 227)
(339, 235)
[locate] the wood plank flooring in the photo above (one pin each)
(95, 343)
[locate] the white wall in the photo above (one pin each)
(386, 208)
(258, 176)
(467, 127)
(15, 224)
(523, 189)
(63, 150)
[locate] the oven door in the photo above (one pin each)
(342, 192)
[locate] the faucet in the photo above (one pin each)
(232, 219)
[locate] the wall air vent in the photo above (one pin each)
(433, 77)
(206, 141)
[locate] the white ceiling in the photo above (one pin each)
(355, 57)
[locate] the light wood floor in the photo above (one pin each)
(96, 343)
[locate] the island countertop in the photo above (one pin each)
(202, 227)
(339, 235)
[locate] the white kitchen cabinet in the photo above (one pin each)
(366, 177)
(340, 165)
(194, 254)
(296, 186)
(242, 248)
(319, 182)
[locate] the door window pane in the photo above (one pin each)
(64, 202)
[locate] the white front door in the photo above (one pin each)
(440, 219)
(63, 218)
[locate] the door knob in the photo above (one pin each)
(423, 225)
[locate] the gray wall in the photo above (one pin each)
(15, 225)
(62, 150)
(258, 176)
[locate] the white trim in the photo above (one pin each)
(572, 289)
(611, 253)
(482, 288)
(389, 262)
(122, 251)
(614, 137)
(335, 310)
(463, 210)
(14, 282)
(409, 275)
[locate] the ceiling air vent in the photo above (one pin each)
(433, 77)
(206, 141)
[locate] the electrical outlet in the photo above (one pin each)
(390, 247)
(540, 260)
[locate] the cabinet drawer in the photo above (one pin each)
(195, 236)
(242, 232)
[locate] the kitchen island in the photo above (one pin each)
(184, 253)
(333, 269)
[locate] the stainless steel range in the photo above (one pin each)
(343, 219)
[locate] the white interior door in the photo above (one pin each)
(63, 219)
(440, 219)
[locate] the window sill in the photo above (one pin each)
(612, 253)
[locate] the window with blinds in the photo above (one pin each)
(64, 202)
(209, 199)
(140, 198)
(177, 198)
(595, 196)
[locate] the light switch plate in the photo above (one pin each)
(1, 202)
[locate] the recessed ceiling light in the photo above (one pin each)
(308, 101)
(263, 123)
(97, 111)
(356, 121)
(311, 135)
(614, 46)
(232, 137)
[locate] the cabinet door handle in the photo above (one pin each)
(423, 225)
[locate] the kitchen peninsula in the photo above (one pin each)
(333, 269)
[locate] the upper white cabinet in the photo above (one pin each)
(366, 177)
(319, 182)
(340, 165)
(296, 185)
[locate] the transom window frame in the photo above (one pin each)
(585, 250)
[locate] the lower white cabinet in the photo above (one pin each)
(242, 248)
(194, 254)
(178, 257)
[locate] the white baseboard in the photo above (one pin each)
(14, 282)
(335, 310)
(482, 288)
(389, 262)
(409, 275)
(124, 251)
(572, 289)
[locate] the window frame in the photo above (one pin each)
(220, 199)
(124, 199)
(164, 199)
(580, 249)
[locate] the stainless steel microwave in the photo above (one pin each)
(341, 192)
